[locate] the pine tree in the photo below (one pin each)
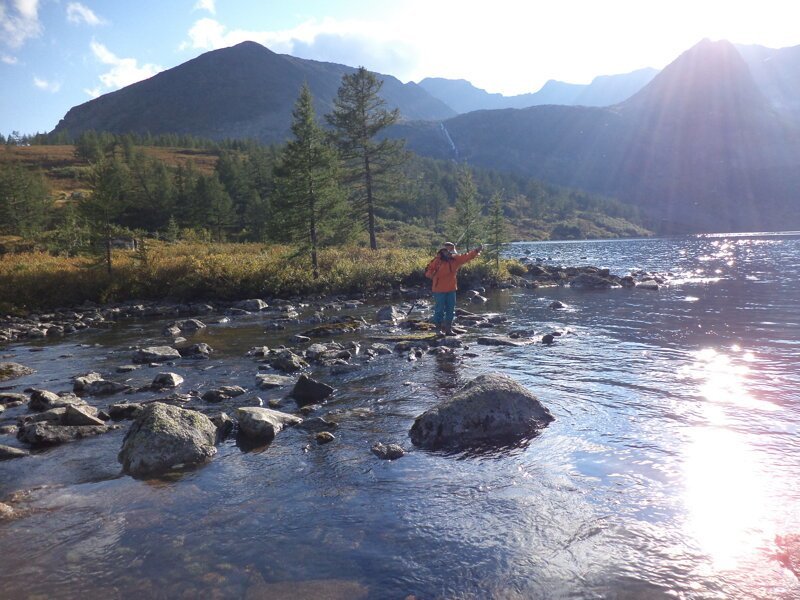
(466, 225)
(24, 201)
(213, 206)
(358, 116)
(110, 185)
(496, 228)
(308, 189)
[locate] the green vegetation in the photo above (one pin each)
(370, 165)
(196, 272)
(309, 196)
(466, 226)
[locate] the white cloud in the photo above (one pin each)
(19, 21)
(124, 71)
(78, 13)
(350, 42)
(9, 60)
(93, 92)
(209, 5)
(47, 86)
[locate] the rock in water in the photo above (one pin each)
(289, 362)
(9, 452)
(166, 380)
(388, 451)
(47, 434)
(388, 314)
(264, 423)
(163, 436)
(590, 281)
(93, 384)
(268, 382)
(78, 415)
(10, 370)
(254, 305)
(309, 391)
(156, 354)
(490, 408)
(44, 400)
(198, 351)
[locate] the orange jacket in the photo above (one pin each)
(443, 272)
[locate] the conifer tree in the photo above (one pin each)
(308, 190)
(24, 201)
(466, 224)
(496, 229)
(358, 116)
(213, 206)
(110, 185)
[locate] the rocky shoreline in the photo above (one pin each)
(172, 429)
(68, 321)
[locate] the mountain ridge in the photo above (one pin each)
(604, 90)
(245, 90)
(699, 148)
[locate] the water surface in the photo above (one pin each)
(673, 463)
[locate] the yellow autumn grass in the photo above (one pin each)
(193, 272)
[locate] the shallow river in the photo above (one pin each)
(670, 471)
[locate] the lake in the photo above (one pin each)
(671, 470)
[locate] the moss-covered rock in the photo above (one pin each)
(163, 437)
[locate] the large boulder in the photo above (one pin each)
(165, 436)
(154, 354)
(263, 423)
(489, 409)
(309, 391)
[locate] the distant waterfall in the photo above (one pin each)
(449, 140)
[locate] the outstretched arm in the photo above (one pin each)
(462, 259)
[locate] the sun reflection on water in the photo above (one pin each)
(725, 496)
(726, 484)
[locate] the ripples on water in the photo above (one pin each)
(670, 470)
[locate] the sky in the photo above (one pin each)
(55, 54)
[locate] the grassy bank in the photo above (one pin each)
(193, 272)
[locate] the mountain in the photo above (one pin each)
(699, 148)
(604, 90)
(777, 74)
(245, 91)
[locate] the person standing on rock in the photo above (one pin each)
(442, 270)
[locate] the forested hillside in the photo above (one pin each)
(227, 192)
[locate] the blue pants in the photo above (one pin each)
(444, 308)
